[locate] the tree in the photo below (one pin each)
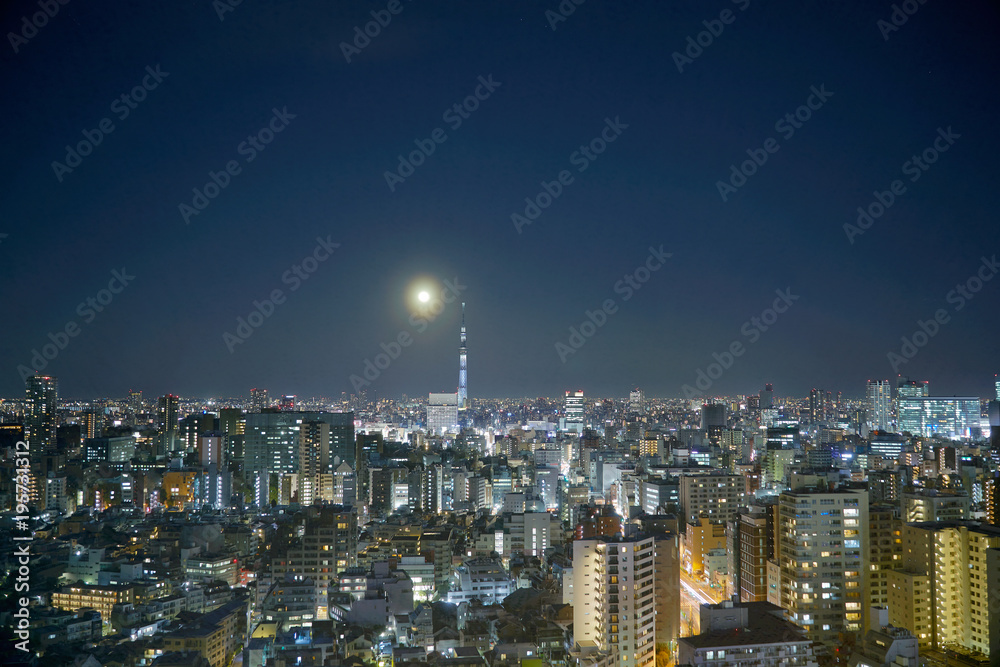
(664, 658)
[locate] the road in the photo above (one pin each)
(693, 595)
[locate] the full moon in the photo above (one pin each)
(424, 297)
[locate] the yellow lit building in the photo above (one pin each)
(941, 594)
(101, 598)
(700, 539)
(216, 635)
(178, 488)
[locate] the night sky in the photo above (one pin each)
(344, 124)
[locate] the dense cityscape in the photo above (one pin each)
(533, 333)
(271, 531)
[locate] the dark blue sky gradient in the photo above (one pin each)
(323, 175)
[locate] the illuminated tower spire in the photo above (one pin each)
(463, 391)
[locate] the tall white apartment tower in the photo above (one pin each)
(613, 590)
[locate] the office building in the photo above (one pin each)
(887, 445)
(573, 409)
(908, 413)
(637, 401)
(949, 417)
(783, 437)
(442, 413)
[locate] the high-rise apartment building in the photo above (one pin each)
(167, 424)
(41, 396)
(328, 547)
(820, 404)
(613, 590)
(879, 405)
(91, 422)
(945, 591)
(716, 496)
(259, 400)
(934, 505)
(315, 474)
(822, 551)
(885, 546)
(750, 542)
